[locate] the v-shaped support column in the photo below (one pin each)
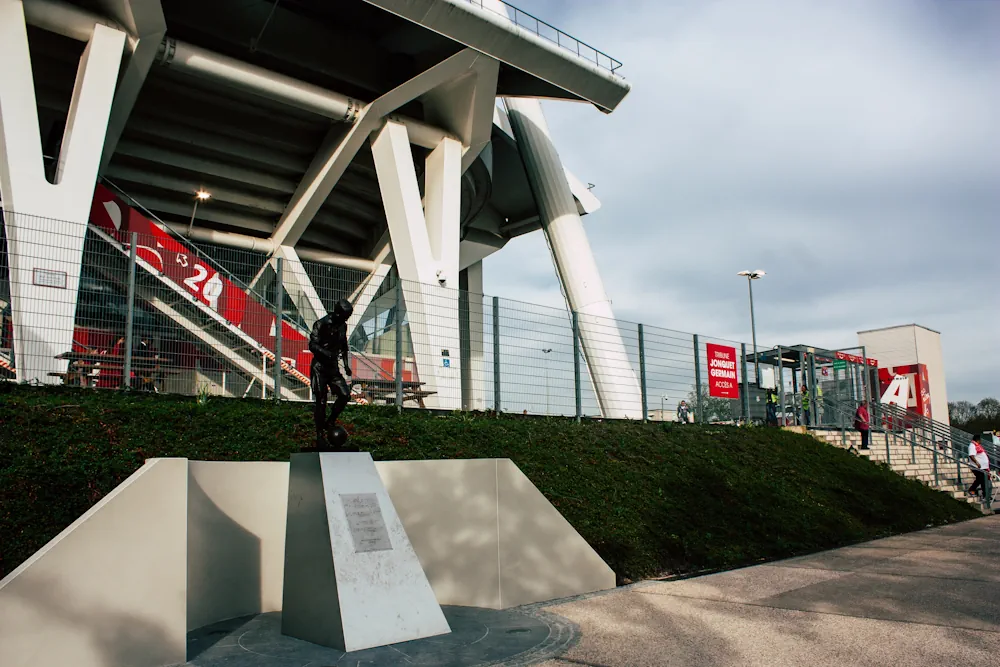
(46, 222)
(425, 240)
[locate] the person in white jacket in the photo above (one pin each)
(980, 465)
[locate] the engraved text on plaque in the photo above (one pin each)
(364, 520)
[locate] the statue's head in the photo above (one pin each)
(342, 310)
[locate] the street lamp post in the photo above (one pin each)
(663, 407)
(752, 276)
(200, 196)
(545, 351)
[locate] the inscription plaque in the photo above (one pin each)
(47, 278)
(364, 520)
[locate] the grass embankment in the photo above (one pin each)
(650, 498)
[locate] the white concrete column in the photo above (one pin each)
(614, 379)
(431, 305)
(443, 208)
(473, 358)
(45, 235)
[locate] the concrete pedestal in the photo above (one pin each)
(352, 580)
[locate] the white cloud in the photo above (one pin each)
(852, 149)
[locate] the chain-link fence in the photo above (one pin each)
(123, 302)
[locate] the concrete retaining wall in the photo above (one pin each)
(181, 544)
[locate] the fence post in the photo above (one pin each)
(813, 393)
(278, 308)
(496, 354)
(888, 453)
(642, 375)
(799, 409)
(576, 366)
(843, 429)
(913, 444)
(867, 397)
(746, 385)
(699, 412)
(781, 386)
(936, 482)
(130, 315)
(397, 324)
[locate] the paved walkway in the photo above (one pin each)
(927, 598)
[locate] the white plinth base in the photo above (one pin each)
(352, 579)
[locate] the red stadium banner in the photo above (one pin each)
(183, 267)
(854, 359)
(723, 381)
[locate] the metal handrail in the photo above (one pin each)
(957, 439)
(562, 39)
(250, 291)
(917, 440)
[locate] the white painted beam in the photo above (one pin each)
(431, 308)
(146, 26)
(77, 23)
(238, 74)
(443, 208)
(65, 19)
(339, 149)
(257, 244)
(465, 106)
(404, 212)
(319, 180)
(299, 286)
(365, 292)
(46, 248)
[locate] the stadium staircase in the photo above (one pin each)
(248, 354)
(914, 446)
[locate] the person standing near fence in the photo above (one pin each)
(862, 422)
(980, 466)
(805, 405)
(683, 412)
(772, 408)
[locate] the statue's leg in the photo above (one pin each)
(342, 394)
(319, 383)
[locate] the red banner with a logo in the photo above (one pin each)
(723, 381)
(185, 269)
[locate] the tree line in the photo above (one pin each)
(975, 417)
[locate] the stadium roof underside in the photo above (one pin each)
(242, 97)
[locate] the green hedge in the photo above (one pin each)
(650, 498)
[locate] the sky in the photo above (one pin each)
(851, 149)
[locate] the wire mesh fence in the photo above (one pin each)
(127, 302)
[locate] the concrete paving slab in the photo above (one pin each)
(921, 540)
(642, 630)
(966, 565)
(746, 585)
(952, 602)
(979, 545)
(928, 598)
(987, 527)
(848, 559)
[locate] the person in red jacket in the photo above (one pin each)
(862, 422)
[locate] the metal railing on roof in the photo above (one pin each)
(523, 19)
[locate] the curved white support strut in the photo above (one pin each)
(614, 379)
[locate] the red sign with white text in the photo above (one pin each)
(916, 388)
(723, 381)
